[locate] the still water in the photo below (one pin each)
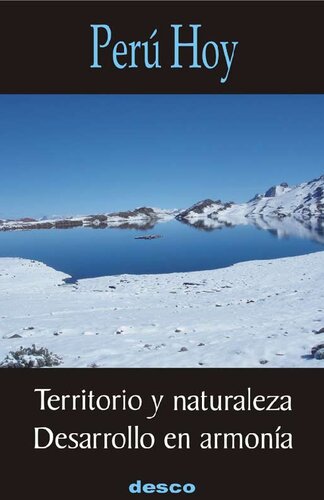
(87, 252)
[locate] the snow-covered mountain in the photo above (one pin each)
(302, 202)
(205, 208)
(139, 218)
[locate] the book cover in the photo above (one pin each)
(161, 248)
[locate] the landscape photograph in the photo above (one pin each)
(162, 231)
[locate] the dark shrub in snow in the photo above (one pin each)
(30, 357)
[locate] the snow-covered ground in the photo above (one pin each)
(254, 314)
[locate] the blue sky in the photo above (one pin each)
(79, 154)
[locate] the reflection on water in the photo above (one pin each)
(127, 225)
(183, 246)
(285, 227)
(206, 224)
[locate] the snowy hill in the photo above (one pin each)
(206, 208)
(302, 202)
(138, 218)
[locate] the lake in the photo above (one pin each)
(87, 252)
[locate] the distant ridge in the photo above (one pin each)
(303, 202)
